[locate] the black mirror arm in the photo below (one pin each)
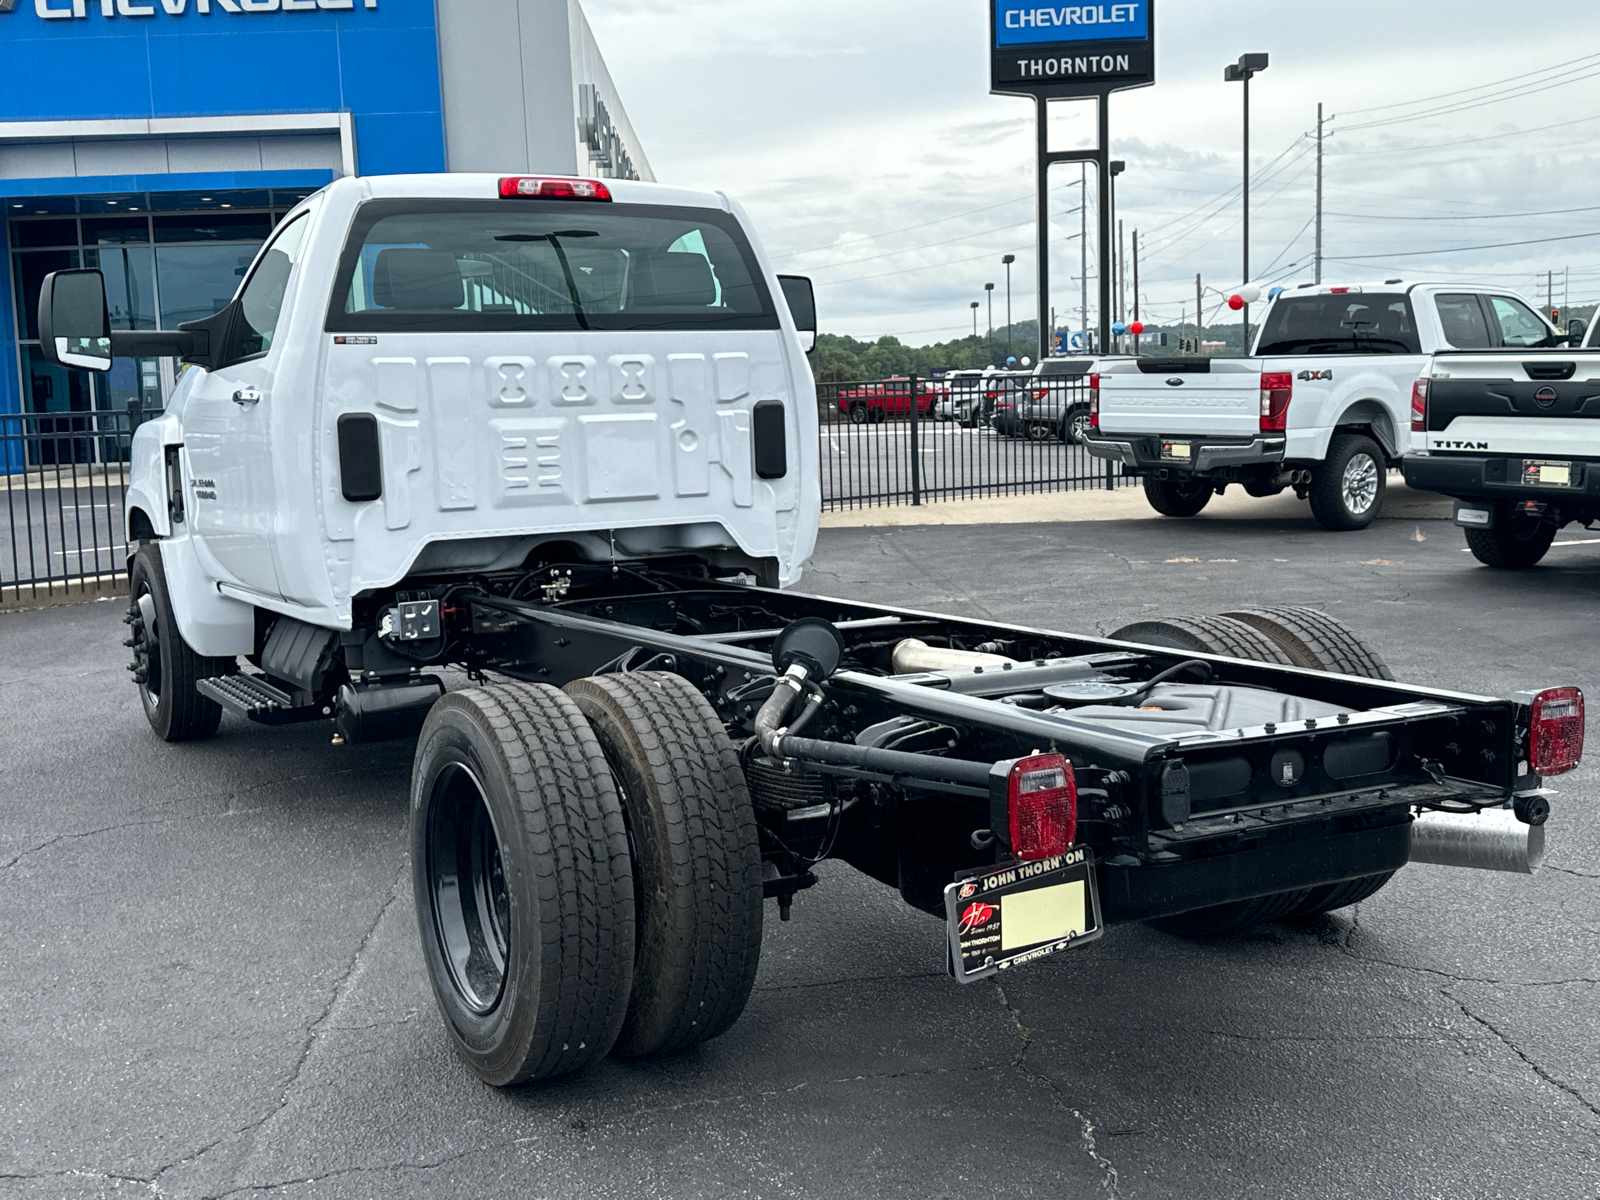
(188, 344)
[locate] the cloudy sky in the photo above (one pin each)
(862, 138)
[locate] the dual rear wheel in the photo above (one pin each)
(587, 872)
(1291, 637)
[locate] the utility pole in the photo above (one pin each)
(1549, 291)
(1319, 193)
(1199, 310)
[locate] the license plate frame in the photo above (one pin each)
(1178, 451)
(1547, 472)
(1053, 897)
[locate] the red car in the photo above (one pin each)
(877, 401)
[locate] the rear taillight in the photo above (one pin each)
(1094, 402)
(1556, 737)
(530, 187)
(1043, 803)
(1419, 406)
(1040, 393)
(1277, 387)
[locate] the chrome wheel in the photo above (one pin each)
(1078, 430)
(1360, 484)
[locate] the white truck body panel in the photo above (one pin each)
(491, 442)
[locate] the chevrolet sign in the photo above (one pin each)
(1064, 50)
(70, 10)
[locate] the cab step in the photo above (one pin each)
(254, 697)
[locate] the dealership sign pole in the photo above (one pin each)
(1071, 52)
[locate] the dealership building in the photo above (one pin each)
(160, 140)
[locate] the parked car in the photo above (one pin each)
(1324, 406)
(1002, 391)
(878, 401)
(964, 400)
(1056, 404)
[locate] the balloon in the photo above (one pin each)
(1026, 361)
(1136, 328)
(1250, 293)
(1119, 328)
(1275, 293)
(1236, 302)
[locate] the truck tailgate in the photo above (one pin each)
(1516, 403)
(1219, 396)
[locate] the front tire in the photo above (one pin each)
(696, 856)
(523, 884)
(1177, 498)
(1516, 541)
(165, 667)
(1348, 487)
(858, 414)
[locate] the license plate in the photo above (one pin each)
(1011, 915)
(1177, 451)
(1538, 473)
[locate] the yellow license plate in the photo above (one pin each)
(1177, 451)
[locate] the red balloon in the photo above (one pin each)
(1236, 302)
(1136, 328)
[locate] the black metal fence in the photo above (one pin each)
(999, 436)
(62, 480)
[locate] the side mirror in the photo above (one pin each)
(74, 327)
(802, 301)
(1575, 331)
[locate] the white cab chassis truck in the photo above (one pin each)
(561, 434)
(1323, 406)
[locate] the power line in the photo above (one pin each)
(1451, 109)
(966, 237)
(1475, 88)
(1465, 141)
(1549, 212)
(1463, 249)
(872, 237)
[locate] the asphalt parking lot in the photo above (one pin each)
(212, 984)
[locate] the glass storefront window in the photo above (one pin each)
(115, 231)
(197, 281)
(214, 227)
(29, 271)
(130, 275)
(26, 234)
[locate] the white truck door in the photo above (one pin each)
(228, 428)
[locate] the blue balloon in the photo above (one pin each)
(1012, 359)
(1119, 328)
(1275, 293)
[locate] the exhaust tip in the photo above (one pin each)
(1491, 840)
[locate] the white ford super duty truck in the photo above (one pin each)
(542, 434)
(1514, 437)
(1322, 406)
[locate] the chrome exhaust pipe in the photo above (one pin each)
(1491, 840)
(914, 656)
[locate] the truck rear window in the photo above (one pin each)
(1360, 322)
(468, 266)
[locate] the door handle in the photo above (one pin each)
(245, 397)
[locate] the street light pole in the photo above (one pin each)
(989, 287)
(1241, 72)
(974, 320)
(1008, 260)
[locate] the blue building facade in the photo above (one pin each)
(160, 140)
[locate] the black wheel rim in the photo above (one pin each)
(467, 888)
(147, 647)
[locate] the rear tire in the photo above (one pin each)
(523, 884)
(1339, 895)
(858, 414)
(1172, 498)
(170, 668)
(1237, 916)
(1517, 541)
(1316, 641)
(1347, 487)
(1075, 432)
(696, 856)
(1206, 635)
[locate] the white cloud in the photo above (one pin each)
(863, 140)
